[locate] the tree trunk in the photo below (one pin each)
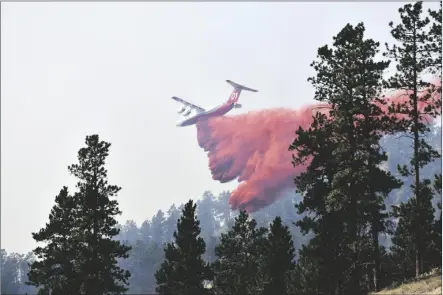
(416, 163)
(376, 259)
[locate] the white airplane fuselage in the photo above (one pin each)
(214, 112)
(220, 110)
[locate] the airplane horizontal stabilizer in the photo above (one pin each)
(238, 86)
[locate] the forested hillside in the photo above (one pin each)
(213, 211)
(363, 215)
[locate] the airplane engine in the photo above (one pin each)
(187, 113)
(238, 106)
(181, 110)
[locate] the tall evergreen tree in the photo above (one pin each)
(99, 270)
(183, 271)
(414, 57)
(81, 255)
(344, 185)
(240, 258)
(405, 238)
(57, 270)
(280, 254)
(322, 259)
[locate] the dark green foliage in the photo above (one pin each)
(399, 148)
(414, 56)
(405, 238)
(435, 45)
(341, 215)
(280, 254)
(81, 255)
(183, 272)
(344, 187)
(147, 255)
(57, 268)
(240, 258)
(96, 222)
(308, 273)
(215, 216)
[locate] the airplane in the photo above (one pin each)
(220, 110)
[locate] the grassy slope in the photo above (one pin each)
(430, 284)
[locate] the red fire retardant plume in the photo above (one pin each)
(253, 148)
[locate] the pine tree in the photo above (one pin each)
(308, 274)
(321, 260)
(344, 185)
(240, 258)
(280, 254)
(414, 57)
(96, 222)
(183, 271)
(81, 255)
(405, 238)
(57, 270)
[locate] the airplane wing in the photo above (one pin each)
(188, 104)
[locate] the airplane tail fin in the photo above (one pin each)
(240, 87)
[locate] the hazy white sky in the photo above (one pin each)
(73, 69)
